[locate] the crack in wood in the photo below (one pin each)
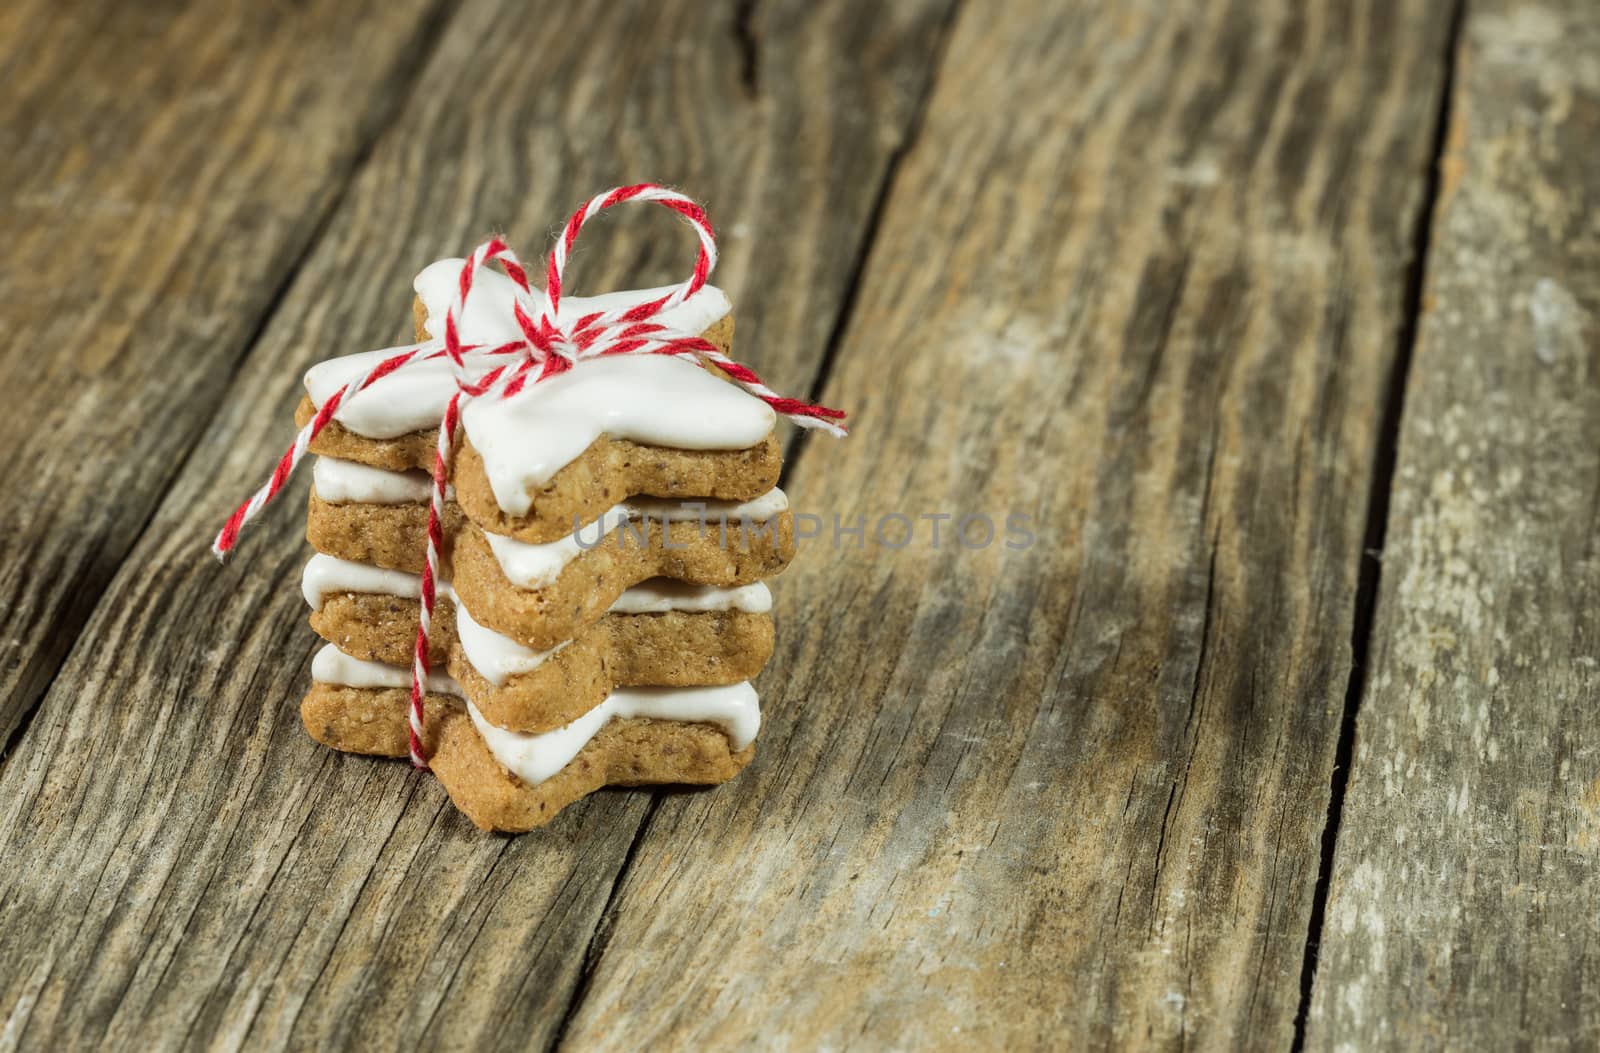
(1377, 521)
(869, 235)
(600, 937)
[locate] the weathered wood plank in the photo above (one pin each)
(182, 863)
(1462, 902)
(163, 166)
(1140, 279)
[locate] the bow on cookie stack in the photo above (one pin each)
(541, 535)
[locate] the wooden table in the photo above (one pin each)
(1278, 321)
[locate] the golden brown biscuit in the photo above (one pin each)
(586, 588)
(668, 649)
(391, 536)
(383, 628)
(394, 536)
(625, 752)
(419, 320)
(610, 471)
(370, 720)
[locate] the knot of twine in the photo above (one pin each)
(547, 348)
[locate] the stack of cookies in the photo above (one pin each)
(607, 533)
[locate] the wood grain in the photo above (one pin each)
(183, 866)
(164, 167)
(1140, 279)
(1461, 907)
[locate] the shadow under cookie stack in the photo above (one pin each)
(602, 605)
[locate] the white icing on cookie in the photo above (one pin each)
(497, 658)
(414, 398)
(534, 566)
(411, 399)
(326, 574)
(654, 399)
(488, 316)
(333, 666)
(347, 482)
(660, 595)
(535, 758)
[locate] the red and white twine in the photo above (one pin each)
(547, 348)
